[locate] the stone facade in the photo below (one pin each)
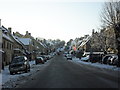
(7, 46)
(104, 40)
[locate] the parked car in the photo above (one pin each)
(86, 58)
(95, 58)
(50, 56)
(44, 57)
(47, 57)
(69, 56)
(105, 59)
(115, 61)
(39, 60)
(112, 60)
(19, 63)
(65, 54)
(58, 53)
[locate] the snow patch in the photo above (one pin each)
(105, 66)
(10, 81)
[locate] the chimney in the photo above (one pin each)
(26, 32)
(93, 31)
(13, 33)
(36, 39)
(30, 34)
(10, 29)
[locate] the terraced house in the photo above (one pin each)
(7, 46)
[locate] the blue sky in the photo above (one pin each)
(51, 19)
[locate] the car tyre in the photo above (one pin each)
(11, 73)
(26, 70)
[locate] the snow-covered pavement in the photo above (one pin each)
(99, 65)
(10, 81)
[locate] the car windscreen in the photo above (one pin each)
(18, 59)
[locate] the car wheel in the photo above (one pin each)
(29, 70)
(11, 73)
(26, 70)
(36, 62)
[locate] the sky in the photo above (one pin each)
(51, 19)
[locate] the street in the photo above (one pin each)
(62, 73)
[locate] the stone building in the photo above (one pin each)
(95, 41)
(104, 40)
(85, 43)
(18, 46)
(108, 39)
(7, 46)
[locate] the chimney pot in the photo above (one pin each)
(26, 32)
(10, 29)
(13, 33)
(30, 34)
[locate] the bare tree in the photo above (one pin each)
(111, 17)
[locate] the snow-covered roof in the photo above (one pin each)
(3, 29)
(6, 37)
(25, 41)
(42, 44)
(17, 39)
(45, 45)
(84, 41)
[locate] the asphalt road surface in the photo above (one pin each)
(62, 73)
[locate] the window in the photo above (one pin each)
(7, 45)
(4, 44)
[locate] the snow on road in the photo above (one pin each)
(105, 66)
(10, 81)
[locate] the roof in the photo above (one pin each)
(16, 39)
(42, 44)
(6, 36)
(3, 29)
(84, 41)
(25, 41)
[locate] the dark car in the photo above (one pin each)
(105, 59)
(19, 63)
(44, 57)
(113, 59)
(39, 60)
